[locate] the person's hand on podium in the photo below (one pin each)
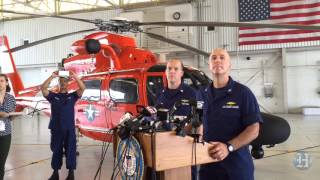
(218, 150)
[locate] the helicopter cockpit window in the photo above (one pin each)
(92, 91)
(154, 85)
(124, 90)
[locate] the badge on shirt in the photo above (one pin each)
(2, 126)
(231, 105)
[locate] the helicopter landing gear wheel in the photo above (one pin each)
(257, 152)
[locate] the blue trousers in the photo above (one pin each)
(63, 139)
(212, 172)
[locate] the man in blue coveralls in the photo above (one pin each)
(231, 120)
(176, 89)
(62, 123)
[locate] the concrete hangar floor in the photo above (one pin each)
(30, 155)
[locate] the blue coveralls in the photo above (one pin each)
(227, 112)
(62, 128)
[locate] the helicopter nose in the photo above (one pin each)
(92, 46)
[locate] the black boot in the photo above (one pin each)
(70, 175)
(54, 176)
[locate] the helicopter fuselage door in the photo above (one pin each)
(90, 111)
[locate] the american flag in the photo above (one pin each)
(303, 12)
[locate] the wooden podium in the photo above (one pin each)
(171, 155)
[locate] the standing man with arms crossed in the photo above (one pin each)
(231, 120)
(62, 123)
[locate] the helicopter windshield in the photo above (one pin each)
(124, 90)
(92, 91)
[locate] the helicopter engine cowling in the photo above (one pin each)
(79, 47)
(93, 46)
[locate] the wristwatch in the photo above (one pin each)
(230, 147)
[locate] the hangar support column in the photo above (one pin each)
(284, 79)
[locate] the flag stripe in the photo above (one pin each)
(295, 15)
(266, 30)
(277, 41)
(311, 22)
(275, 33)
(295, 7)
(291, 3)
(285, 1)
(282, 37)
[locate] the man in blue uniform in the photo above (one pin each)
(62, 123)
(176, 90)
(231, 120)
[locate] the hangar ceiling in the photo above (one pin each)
(57, 7)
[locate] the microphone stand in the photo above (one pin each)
(195, 124)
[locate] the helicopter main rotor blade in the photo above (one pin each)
(231, 24)
(176, 43)
(181, 23)
(18, 48)
(44, 15)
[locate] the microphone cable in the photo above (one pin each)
(113, 176)
(154, 173)
(104, 150)
(194, 157)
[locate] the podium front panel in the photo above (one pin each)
(166, 150)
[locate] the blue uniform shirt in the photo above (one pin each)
(227, 112)
(62, 110)
(168, 97)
